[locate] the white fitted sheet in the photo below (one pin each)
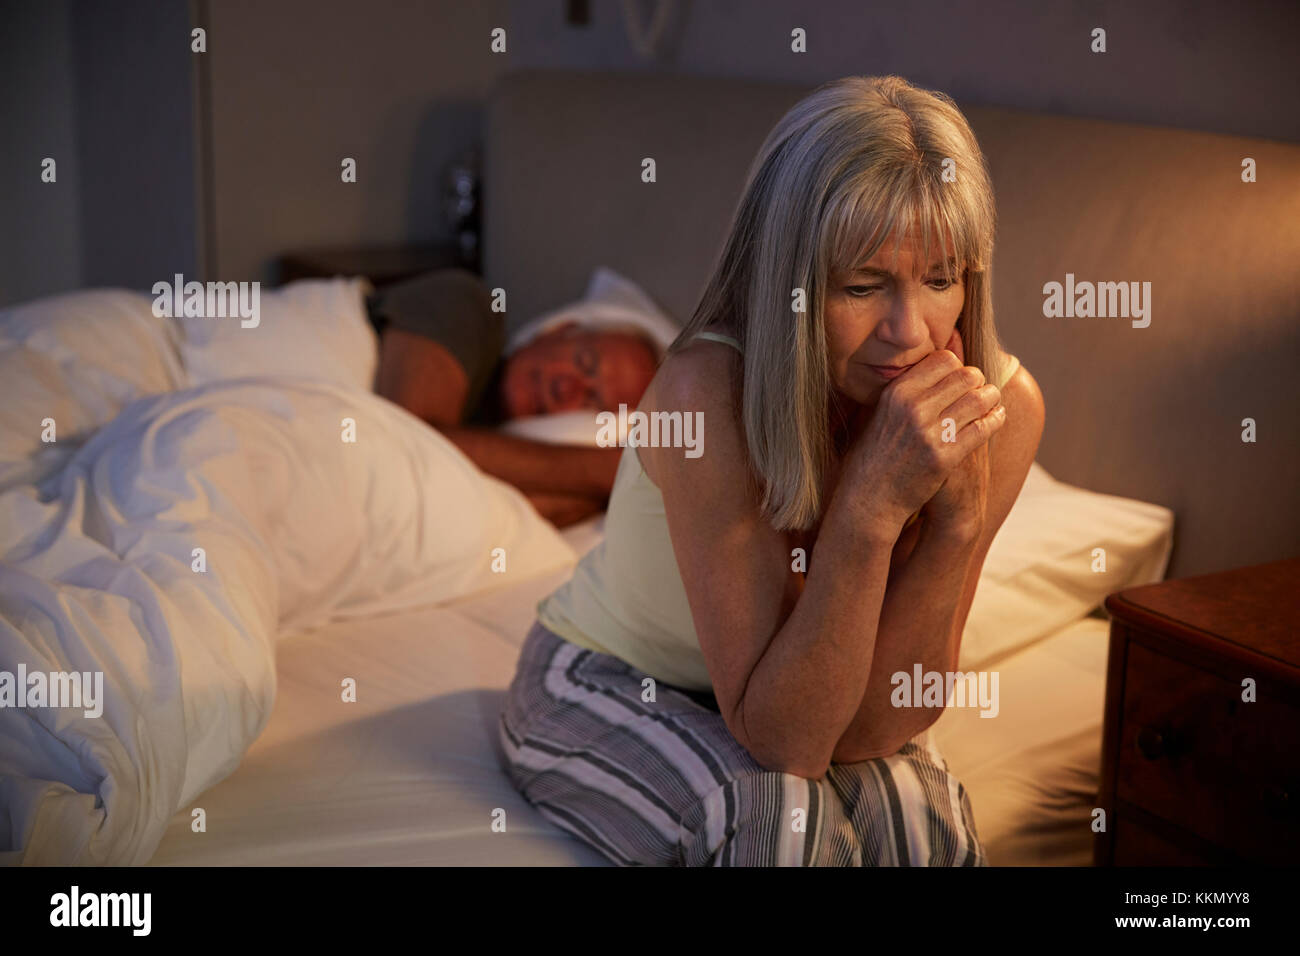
(409, 774)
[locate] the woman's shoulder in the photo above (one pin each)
(699, 379)
(701, 374)
(1020, 391)
(1008, 367)
(1017, 442)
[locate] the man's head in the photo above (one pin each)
(572, 367)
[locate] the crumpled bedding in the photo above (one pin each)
(168, 538)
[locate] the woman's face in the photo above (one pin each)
(886, 316)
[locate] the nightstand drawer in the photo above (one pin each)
(1136, 845)
(1194, 754)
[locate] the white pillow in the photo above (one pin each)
(313, 328)
(78, 359)
(561, 428)
(1039, 573)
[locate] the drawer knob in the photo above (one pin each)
(1278, 799)
(1151, 743)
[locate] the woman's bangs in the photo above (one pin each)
(866, 221)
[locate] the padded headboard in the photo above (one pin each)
(1152, 413)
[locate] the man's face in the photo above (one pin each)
(572, 368)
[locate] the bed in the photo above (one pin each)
(412, 776)
(286, 584)
(257, 755)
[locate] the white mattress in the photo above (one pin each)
(410, 774)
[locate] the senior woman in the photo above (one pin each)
(713, 685)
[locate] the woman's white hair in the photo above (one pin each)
(856, 161)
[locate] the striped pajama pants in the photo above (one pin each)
(666, 783)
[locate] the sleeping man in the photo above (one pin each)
(443, 356)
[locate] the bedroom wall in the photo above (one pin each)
(293, 86)
(1194, 64)
(40, 223)
(297, 85)
(135, 141)
(103, 89)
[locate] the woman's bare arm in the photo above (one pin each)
(788, 669)
(790, 663)
(930, 595)
(917, 625)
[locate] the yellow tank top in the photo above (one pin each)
(626, 596)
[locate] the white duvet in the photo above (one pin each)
(172, 532)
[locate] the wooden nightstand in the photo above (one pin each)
(1191, 773)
